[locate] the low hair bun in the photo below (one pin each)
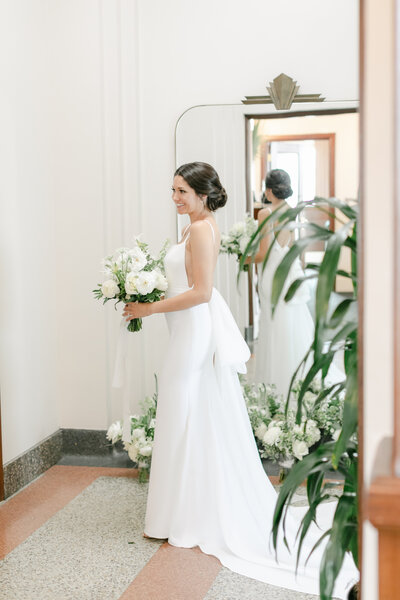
(204, 179)
(279, 182)
(282, 191)
(217, 199)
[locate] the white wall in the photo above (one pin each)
(100, 86)
(28, 298)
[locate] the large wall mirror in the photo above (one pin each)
(317, 145)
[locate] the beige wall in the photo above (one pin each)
(378, 242)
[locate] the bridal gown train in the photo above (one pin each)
(207, 484)
(285, 337)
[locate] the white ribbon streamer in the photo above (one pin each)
(119, 378)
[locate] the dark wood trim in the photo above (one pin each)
(331, 137)
(384, 514)
(298, 136)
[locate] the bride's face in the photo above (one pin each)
(185, 198)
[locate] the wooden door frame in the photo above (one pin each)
(331, 137)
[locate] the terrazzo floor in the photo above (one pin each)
(75, 533)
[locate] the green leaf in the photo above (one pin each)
(296, 284)
(340, 312)
(338, 544)
(327, 272)
(350, 412)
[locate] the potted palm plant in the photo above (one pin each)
(334, 331)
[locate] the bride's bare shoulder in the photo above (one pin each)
(263, 213)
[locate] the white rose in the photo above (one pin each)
(109, 289)
(146, 450)
(260, 431)
(138, 433)
(298, 429)
(130, 283)
(114, 432)
(132, 452)
(138, 259)
(161, 281)
(145, 282)
(300, 449)
(272, 435)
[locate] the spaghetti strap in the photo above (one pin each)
(212, 229)
(184, 238)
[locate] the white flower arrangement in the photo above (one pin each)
(133, 275)
(278, 436)
(140, 446)
(238, 237)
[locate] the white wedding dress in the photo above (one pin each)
(207, 484)
(283, 339)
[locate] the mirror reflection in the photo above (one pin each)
(318, 149)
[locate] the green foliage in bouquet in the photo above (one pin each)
(236, 240)
(133, 275)
(334, 331)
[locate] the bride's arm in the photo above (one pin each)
(202, 255)
(265, 240)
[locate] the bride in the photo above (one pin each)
(285, 337)
(207, 484)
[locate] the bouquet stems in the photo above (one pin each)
(135, 325)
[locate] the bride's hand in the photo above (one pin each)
(137, 310)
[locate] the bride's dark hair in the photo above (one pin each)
(279, 182)
(204, 179)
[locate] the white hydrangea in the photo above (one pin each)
(298, 430)
(114, 432)
(272, 435)
(312, 431)
(261, 431)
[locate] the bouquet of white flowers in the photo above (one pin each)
(237, 238)
(140, 446)
(278, 436)
(133, 275)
